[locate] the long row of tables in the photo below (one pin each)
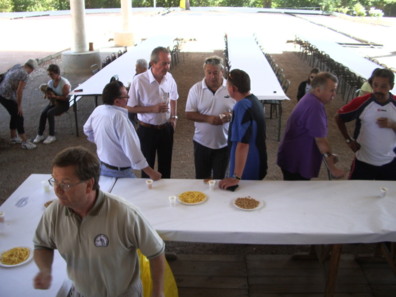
(293, 213)
(244, 53)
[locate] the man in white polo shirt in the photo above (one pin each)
(209, 106)
(153, 96)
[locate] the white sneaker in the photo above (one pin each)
(27, 145)
(39, 138)
(49, 139)
(15, 140)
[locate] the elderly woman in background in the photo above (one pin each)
(305, 86)
(11, 93)
(58, 94)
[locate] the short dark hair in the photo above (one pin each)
(313, 71)
(385, 73)
(239, 79)
(111, 92)
(154, 58)
(322, 78)
(86, 164)
(53, 68)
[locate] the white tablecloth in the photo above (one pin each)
(245, 54)
(20, 224)
(313, 212)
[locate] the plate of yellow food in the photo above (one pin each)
(247, 203)
(192, 198)
(16, 256)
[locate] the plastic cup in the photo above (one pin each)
(149, 184)
(383, 192)
(45, 186)
(2, 221)
(172, 200)
(212, 184)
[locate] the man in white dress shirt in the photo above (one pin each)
(153, 96)
(209, 106)
(117, 143)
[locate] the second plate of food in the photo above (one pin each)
(192, 198)
(247, 203)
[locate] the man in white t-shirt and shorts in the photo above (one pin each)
(209, 106)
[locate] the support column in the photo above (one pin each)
(125, 36)
(77, 9)
(79, 59)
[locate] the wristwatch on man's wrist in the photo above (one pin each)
(236, 177)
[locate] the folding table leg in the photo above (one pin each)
(388, 250)
(279, 118)
(75, 114)
(332, 270)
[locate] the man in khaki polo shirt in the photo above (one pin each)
(96, 233)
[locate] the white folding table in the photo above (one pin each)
(294, 213)
(245, 54)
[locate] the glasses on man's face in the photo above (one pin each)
(65, 187)
(123, 97)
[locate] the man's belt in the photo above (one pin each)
(158, 127)
(114, 167)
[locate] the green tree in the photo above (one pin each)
(267, 3)
(43, 5)
(102, 4)
(6, 5)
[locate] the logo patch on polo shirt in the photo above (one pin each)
(101, 240)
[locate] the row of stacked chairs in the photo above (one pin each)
(349, 82)
(113, 57)
(175, 52)
(279, 72)
(275, 106)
